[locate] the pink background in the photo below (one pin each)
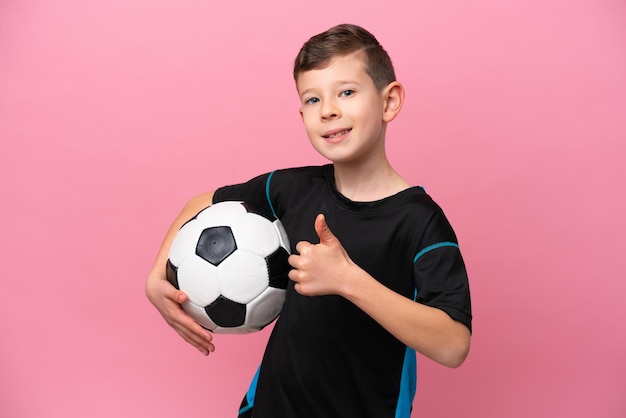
(113, 113)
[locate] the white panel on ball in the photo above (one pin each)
(199, 280)
(242, 276)
(221, 214)
(185, 242)
(268, 305)
(256, 234)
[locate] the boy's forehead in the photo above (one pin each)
(352, 65)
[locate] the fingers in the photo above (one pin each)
(303, 247)
(303, 250)
(312, 263)
(190, 331)
(182, 323)
(197, 336)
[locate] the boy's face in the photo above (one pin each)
(342, 111)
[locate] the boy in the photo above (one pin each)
(377, 273)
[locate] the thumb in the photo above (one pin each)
(172, 292)
(323, 231)
(181, 297)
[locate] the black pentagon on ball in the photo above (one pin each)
(215, 244)
(171, 272)
(226, 313)
(278, 268)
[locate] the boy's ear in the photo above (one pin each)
(393, 98)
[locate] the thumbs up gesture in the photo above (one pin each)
(321, 269)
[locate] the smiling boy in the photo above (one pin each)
(377, 272)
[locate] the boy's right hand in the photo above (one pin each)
(167, 299)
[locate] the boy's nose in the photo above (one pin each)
(330, 110)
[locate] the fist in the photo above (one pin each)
(320, 269)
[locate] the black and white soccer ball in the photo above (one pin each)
(231, 261)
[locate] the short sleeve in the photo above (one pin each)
(440, 274)
(253, 192)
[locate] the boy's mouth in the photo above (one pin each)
(335, 134)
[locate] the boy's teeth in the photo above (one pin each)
(336, 134)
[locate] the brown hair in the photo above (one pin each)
(342, 40)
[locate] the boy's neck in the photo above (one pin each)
(368, 183)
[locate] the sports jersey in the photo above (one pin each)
(325, 357)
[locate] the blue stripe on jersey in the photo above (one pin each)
(408, 381)
(251, 392)
(267, 193)
(408, 384)
(434, 247)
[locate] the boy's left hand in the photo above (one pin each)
(320, 269)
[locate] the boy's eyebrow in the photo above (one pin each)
(303, 92)
(338, 83)
(342, 82)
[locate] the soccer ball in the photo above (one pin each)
(231, 261)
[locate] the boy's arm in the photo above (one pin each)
(326, 268)
(429, 331)
(165, 297)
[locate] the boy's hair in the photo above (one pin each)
(342, 40)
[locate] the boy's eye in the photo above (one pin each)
(312, 100)
(347, 93)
